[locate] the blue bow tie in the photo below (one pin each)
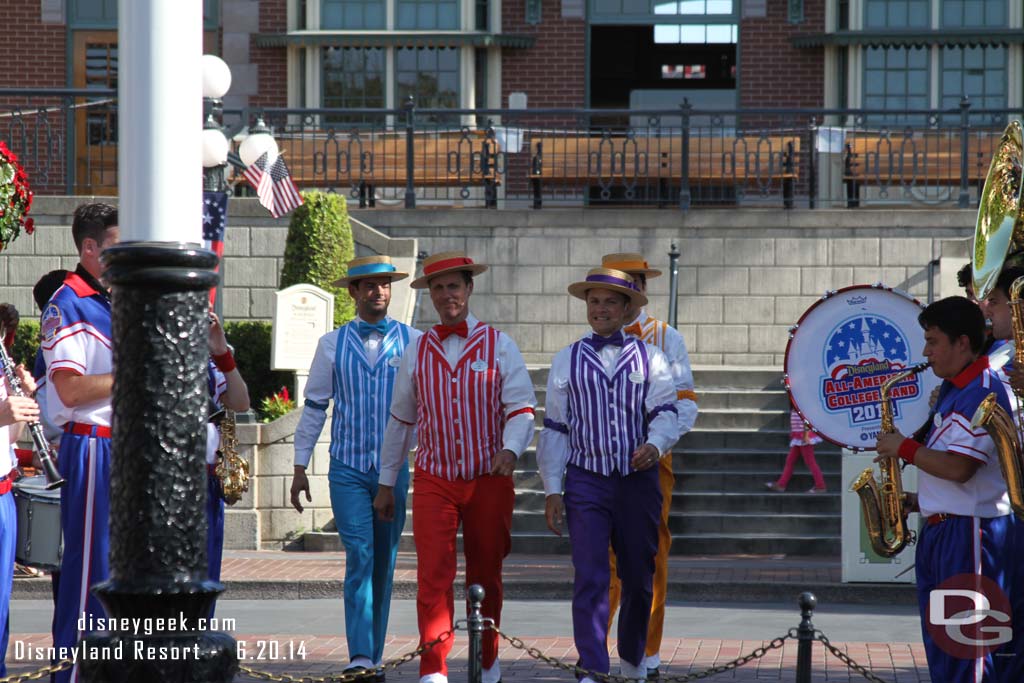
(598, 342)
(364, 329)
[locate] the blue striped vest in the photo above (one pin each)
(607, 415)
(362, 395)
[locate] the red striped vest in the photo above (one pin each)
(459, 415)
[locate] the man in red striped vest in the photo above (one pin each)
(463, 392)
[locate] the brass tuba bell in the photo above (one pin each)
(999, 231)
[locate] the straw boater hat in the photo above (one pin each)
(631, 263)
(370, 266)
(608, 278)
(446, 262)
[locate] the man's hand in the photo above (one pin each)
(18, 409)
(504, 463)
(645, 457)
(28, 382)
(554, 511)
(218, 341)
(299, 484)
(384, 503)
(888, 445)
(933, 398)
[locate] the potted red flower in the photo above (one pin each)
(15, 198)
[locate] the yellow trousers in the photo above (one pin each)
(655, 628)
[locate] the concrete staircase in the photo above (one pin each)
(720, 506)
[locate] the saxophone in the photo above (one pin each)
(884, 504)
(232, 470)
(1008, 435)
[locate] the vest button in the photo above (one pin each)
(454, 380)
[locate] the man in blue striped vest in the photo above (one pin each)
(610, 414)
(355, 365)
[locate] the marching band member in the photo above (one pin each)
(227, 389)
(996, 308)
(15, 411)
(968, 529)
(464, 387)
(355, 365)
(653, 331)
(610, 414)
(75, 330)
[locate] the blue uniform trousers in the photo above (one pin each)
(214, 528)
(84, 463)
(371, 548)
(623, 512)
(8, 542)
(967, 547)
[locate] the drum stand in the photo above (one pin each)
(158, 473)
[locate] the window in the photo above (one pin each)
(695, 34)
(897, 14)
(896, 78)
(977, 72)
(353, 78)
(353, 14)
(428, 15)
(970, 13)
(431, 75)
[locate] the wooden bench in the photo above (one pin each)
(366, 161)
(917, 159)
(629, 160)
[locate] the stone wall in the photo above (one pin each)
(745, 276)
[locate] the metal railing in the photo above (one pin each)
(683, 158)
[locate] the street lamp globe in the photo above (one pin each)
(258, 142)
(215, 147)
(216, 77)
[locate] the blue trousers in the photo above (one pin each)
(371, 548)
(956, 553)
(214, 528)
(84, 462)
(623, 512)
(8, 542)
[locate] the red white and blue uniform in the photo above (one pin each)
(216, 384)
(606, 397)
(969, 527)
(8, 534)
(355, 366)
(75, 331)
(468, 398)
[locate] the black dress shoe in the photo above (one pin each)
(357, 670)
(653, 674)
(380, 677)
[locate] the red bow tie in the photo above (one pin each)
(445, 331)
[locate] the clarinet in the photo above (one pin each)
(53, 478)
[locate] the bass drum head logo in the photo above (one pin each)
(861, 353)
(968, 616)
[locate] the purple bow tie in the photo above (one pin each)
(598, 342)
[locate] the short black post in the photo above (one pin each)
(158, 570)
(788, 168)
(475, 624)
(410, 166)
(673, 285)
(965, 130)
(805, 636)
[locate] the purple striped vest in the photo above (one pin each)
(607, 415)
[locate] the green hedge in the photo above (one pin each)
(251, 341)
(318, 248)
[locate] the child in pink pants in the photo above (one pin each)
(801, 443)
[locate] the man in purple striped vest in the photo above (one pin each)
(610, 414)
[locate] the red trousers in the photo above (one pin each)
(484, 507)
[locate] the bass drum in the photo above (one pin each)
(840, 353)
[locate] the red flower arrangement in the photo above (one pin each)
(15, 198)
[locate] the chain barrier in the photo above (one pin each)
(40, 674)
(845, 658)
(361, 676)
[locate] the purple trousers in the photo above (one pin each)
(623, 512)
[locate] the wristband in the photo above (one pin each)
(908, 449)
(225, 362)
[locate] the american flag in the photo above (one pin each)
(274, 187)
(215, 220)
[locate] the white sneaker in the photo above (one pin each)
(630, 671)
(434, 678)
(492, 675)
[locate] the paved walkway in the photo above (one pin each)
(277, 574)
